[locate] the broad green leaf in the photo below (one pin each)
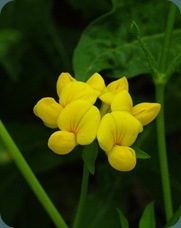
(89, 155)
(107, 43)
(174, 219)
(140, 153)
(123, 219)
(148, 218)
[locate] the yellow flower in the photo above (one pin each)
(112, 89)
(69, 90)
(117, 131)
(78, 122)
(145, 112)
(48, 110)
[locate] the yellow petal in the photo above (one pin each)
(122, 158)
(88, 126)
(72, 114)
(146, 112)
(77, 91)
(48, 110)
(97, 83)
(62, 142)
(118, 128)
(107, 97)
(106, 133)
(118, 85)
(127, 128)
(62, 81)
(122, 102)
(114, 88)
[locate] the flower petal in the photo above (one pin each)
(106, 133)
(118, 85)
(48, 110)
(127, 128)
(88, 126)
(97, 83)
(146, 112)
(77, 90)
(122, 158)
(62, 81)
(62, 142)
(107, 97)
(122, 102)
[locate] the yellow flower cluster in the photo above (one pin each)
(116, 125)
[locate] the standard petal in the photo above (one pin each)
(48, 110)
(88, 126)
(122, 158)
(118, 85)
(72, 115)
(106, 134)
(127, 128)
(122, 102)
(97, 83)
(77, 91)
(146, 112)
(62, 81)
(62, 142)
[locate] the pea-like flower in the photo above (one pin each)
(109, 93)
(145, 112)
(118, 130)
(78, 123)
(68, 90)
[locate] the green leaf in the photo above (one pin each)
(174, 219)
(107, 44)
(123, 219)
(89, 155)
(140, 153)
(148, 218)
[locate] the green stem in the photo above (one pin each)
(83, 197)
(160, 88)
(31, 178)
(167, 38)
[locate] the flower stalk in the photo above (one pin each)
(160, 88)
(31, 178)
(160, 81)
(83, 197)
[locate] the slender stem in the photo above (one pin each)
(167, 38)
(83, 197)
(160, 88)
(31, 178)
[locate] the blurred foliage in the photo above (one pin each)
(40, 39)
